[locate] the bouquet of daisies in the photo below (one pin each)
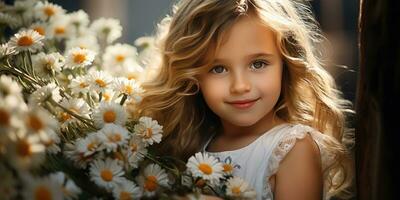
(66, 126)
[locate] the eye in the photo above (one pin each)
(218, 69)
(258, 64)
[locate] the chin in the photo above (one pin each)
(244, 123)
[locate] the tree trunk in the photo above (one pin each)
(378, 96)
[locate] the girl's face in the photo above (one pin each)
(243, 84)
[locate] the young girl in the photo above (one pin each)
(241, 80)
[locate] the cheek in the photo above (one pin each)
(270, 85)
(213, 91)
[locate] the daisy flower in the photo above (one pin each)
(79, 84)
(10, 92)
(135, 151)
(39, 27)
(153, 179)
(52, 143)
(45, 11)
(229, 166)
(119, 55)
(109, 113)
(44, 93)
(42, 188)
(109, 95)
(113, 136)
(133, 71)
(48, 65)
(58, 28)
(149, 130)
(130, 88)
(9, 118)
(239, 188)
(106, 173)
(78, 57)
(84, 42)
(147, 56)
(90, 144)
(80, 160)
(8, 20)
(205, 167)
(144, 41)
(24, 9)
(107, 30)
(26, 40)
(79, 20)
(25, 150)
(99, 81)
(69, 188)
(78, 106)
(127, 190)
(8, 86)
(39, 122)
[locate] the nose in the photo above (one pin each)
(240, 83)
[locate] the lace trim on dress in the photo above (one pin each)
(286, 144)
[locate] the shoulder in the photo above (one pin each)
(301, 146)
(299, 175)
(303, 149)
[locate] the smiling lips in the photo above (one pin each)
(243, 104)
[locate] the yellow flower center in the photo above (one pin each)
(236, 190)
(151, 183)
(124, 195)
(40, 30)
(128, 89)
(35, 123)
(79, 58)
(115, 137)
(133, 77)
(100, 83)
(65, 116)
(59, 30)
(25, 41)
(133, 147)
(119, 58)
(205, 168)
(148, 133)
(4, 118)
(83, 85)
(91, 146)
(106, 97)
(24, 148)
(42, 193)
(227, 167)
(48, 143)
(106, 175)
(109, 116)
(49, 11)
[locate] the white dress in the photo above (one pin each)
(259, 160)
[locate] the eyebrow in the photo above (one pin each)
(248, 57)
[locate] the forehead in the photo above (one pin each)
(246, 36)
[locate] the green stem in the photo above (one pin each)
(123, 99)
(83, 119)
(174, 171)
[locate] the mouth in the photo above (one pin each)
(243, 104)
